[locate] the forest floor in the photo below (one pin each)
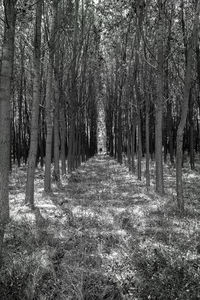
(102, 236)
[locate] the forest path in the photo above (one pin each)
(104, 236)
(103, 187)
(113, 219)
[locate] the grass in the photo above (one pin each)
(102, 236)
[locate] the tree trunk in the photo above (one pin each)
(128, 140)
(49, 102)
(147, 142)
(119, 135)
(71, 152)
(191, 130)
(35, 107)
(63, 135)
(73, 94)
(115, 134)
(179, 140)
(139, 126)
(170, 130)
(49, 125)
(20, 100)
(5, 95)
(133, 144)
(56, 137)
(159, 106)
(139, 146)
(140, 17)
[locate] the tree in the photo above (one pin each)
(159, 102)
(49, 99)
(187, 86)
(35, 106)
(5, 95)
(140, 17)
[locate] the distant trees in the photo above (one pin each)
(190, 47)
(55, 89)
(159, 84)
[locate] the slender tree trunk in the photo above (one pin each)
(115, 134)
(49, 125)
(35, 107)
(191, 130)
(133, 145)
(139, 146)
(49, 101)
(129, 149)
(63, 135)
(20, 100)
(73, 94)
(71, 152)
(42, 145)
(128, 142)
(165, 139)
(5, 95)
(159, 106)
(140, 16)
(119, 133)
(139, 126)
(56, 137)
(147, 142)
(13, 137)
(179, 140)
(152, 133)
(170, 130)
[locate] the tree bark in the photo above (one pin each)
(140, 17)
(5, 95)
(49, 102)
(133, 129)
(159, 106)
(191, 130)
(139, 145)
(147, 141)
(35, 107)
(119, 135)
(63, 129)
(20, 100)
(49, 126)
(56, 136)
(73, 95)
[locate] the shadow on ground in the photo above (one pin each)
(108, 238)
(130, 235)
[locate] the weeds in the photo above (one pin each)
(102, 237)
(165, 274)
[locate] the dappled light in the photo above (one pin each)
(103, 230)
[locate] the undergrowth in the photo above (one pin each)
(106, 241)
(165, 274)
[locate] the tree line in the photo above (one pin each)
(48, 91)
(152, 85)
